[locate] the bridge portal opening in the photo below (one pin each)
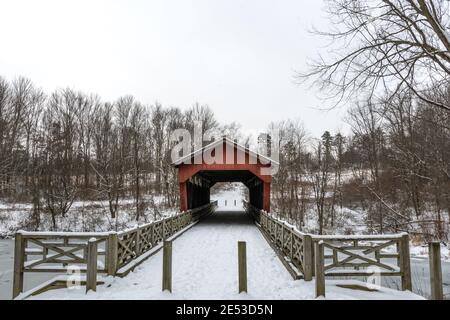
(229, 196)
(236, 164)
(198, 187)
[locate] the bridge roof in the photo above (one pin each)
(228, 141)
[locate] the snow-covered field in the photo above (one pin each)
(205, 267)
(83, 216)
(229, 199)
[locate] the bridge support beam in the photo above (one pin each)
(193, 194)
(183, 196)
(266, 197)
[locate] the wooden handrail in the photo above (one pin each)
(57, 250)
(345, 255)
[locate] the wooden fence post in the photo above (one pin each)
(172, 226)
(188, 219)
(242, 266)
(308, 261)
(164, 229)
(19, 253)
(434, 252)
(167, 266)
(91, 271)
(169, 224)
(137, 245)
(111, 253)
(291, 247)
(320, 273)
(405, 263)
(152, 235)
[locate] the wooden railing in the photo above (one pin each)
(295, 246)
(363, 255)
(338, 255)
(135, 242)
(56, 252)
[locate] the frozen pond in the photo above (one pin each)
(6, 266)
(421, 277)
(6, 271)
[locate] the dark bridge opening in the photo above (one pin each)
(233, 163)
(199, 186)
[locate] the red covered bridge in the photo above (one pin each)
(224, 161)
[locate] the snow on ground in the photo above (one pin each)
(230, 198)
(11, 220)
(83, 216)
(205, 267)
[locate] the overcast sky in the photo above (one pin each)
(239, 57)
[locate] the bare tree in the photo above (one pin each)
(203, 114)
(137, 123)
(338, 151)
(5, 123)
(87, 108)
(106, 163)
(289, 185)
(395, 44)
(60, 129)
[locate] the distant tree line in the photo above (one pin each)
(393, 170)
(395, 167)
(69, 145)
(393, 58)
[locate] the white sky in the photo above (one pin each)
(239, 57)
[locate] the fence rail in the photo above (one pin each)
(296, 246)
(353, 255)
(135, 242)
(55, 252)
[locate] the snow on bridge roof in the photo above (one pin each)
(228, 141)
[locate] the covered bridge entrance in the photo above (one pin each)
(224, 161)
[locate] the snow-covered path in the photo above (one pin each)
(205, 267)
